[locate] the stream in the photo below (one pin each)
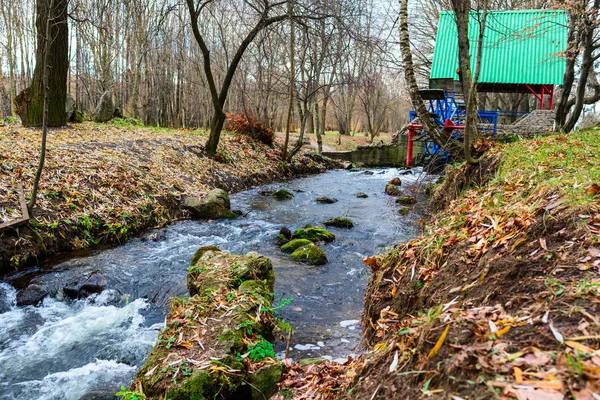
(88, 348)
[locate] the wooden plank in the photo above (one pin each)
(19, 222)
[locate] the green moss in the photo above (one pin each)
(200, 252)
(362, 195)
(310, 254)
(326, 200)
(314, 234)
(406, 201)
(228, 214)
(264, 381)
(291, 246)
(200, 386)
(312, 361)
(232, 341)
(339, 222)
(392, 190)
(281, 239)
(262, 269)
(403, 211)
(282, 194)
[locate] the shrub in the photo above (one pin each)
(243, 124)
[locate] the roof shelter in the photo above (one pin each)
(522, 52)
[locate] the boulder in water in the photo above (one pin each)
(395, 181)
(392, 190)
(314, 234)
(310, 254)
(244, 285)
(326, 200)
(282, 194)
(339, 222)
(362, 195)
(293, 245)
(80, 288)
(31, 295)
(215, 205)
(106, 108)
(285, 232)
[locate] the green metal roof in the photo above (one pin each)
(519, 47)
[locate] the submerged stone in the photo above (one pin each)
(406, 201)
(314, 234)
(282, 194)
(310, 254)
(403, 211)
(31, 295)
(339, 222)
(326, 200)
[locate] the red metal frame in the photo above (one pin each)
(544, 89)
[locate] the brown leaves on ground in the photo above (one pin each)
(314, 381)
(500, 299)
(101, 183)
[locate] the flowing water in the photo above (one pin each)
(73, 349)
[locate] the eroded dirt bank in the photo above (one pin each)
(499, 298)
(103, 184)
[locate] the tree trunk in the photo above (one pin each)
(45, 67)
(291, 100)
(30, 102)
(432, 128)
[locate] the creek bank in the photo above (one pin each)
(215, 344)
(104, 184)
(500, 298)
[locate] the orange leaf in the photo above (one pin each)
(439, 343)
(593, 190)
(518, 375)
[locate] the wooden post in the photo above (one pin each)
(16, 223)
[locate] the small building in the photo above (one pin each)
(522, 52)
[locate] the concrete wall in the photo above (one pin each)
(382, 155)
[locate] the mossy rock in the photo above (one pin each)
(200, 252)
(232, 341)
(256, 286)
(282, 194)
(264, 381)
(314, 234)
(281, 239)
(392, 190)
(362, 195)
(214, 205)
(395, 181)
(406, 201)
(258, 267)
(310, 254)
(339, 222)
(312, 361)
(326, 200)
(293, 245)
(403, 211)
